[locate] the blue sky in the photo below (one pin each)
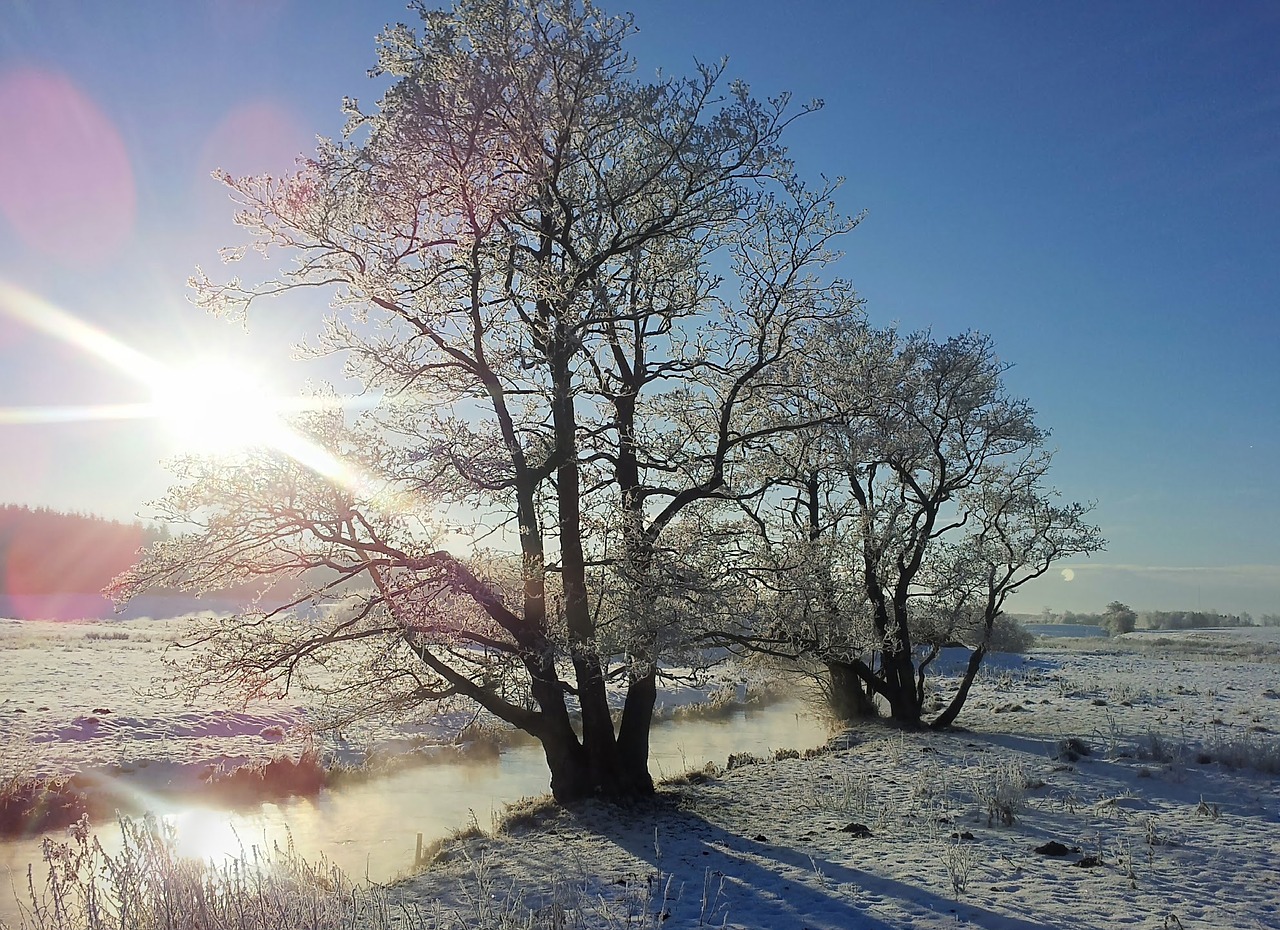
(1097, 185)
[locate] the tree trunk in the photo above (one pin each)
(600, 766)
(898, 670)
(846, 694)
(948, 716)
(605, 774)
(900, 688)
(633, 733)
(566, 759)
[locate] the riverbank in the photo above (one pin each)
(1158, 780)
(82, 732)
(225, 778)
(1157, 776)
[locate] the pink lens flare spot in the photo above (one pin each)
(66, 182)
(257, 137)
(12, 333)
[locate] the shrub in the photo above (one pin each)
(739, 759)
(1072, 749)
(281, 777)
(1153, 747)
(1008, 635)
(1001, 790)
(109, 634)
(1245, 751)
(35, 804)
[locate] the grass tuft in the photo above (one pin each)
(147, 885)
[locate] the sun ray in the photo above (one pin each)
(222, 402)
(75, 413)
(41, 315)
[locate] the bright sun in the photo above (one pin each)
(217, 405)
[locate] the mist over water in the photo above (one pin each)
(370, 828)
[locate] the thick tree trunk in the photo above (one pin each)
(600, 765)
(567, 761)
(598, 743)
(633, 734)
(847, 694)
(898, 671)
(948, 716)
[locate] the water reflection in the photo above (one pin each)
(370, 829)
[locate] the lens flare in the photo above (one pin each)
(66, 181)
(205, 834)
(217, 405)
(214, 404)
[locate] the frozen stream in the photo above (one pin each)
(371, 828)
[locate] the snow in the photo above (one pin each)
(81, 694)
(76, 695)
(887, 829)
(1179, 843)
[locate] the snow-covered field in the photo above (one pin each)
(80, 696)
(1164, 823)
(1158, 775)
(73, 699)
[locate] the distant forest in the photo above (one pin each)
(49, 559)
(1159, 619)
(55, 565)
(48, 552)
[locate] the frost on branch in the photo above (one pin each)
(524, 250)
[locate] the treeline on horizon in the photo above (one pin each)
(55, 566)
(50, 552)
(47, 552)
(1158, 619)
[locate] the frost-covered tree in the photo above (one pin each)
(1015, 530)
(1120, 618)
(911, 520)
(579, 303)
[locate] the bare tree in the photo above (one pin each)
(1016, 530)
(580, 302)
(910, 523)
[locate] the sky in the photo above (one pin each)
(1096, 185)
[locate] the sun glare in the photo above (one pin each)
(210, 406)
(205, 834)
(217, 405)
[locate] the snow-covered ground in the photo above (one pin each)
(1171, 819)
(80, 696)
(938, 830)
(74, 698)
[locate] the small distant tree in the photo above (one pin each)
(1119, 618)
(1075, 619)
(580, 304)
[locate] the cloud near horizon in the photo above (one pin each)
(1258, 572)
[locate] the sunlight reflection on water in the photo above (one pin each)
(370, 829)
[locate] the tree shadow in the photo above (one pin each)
(715, 875)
